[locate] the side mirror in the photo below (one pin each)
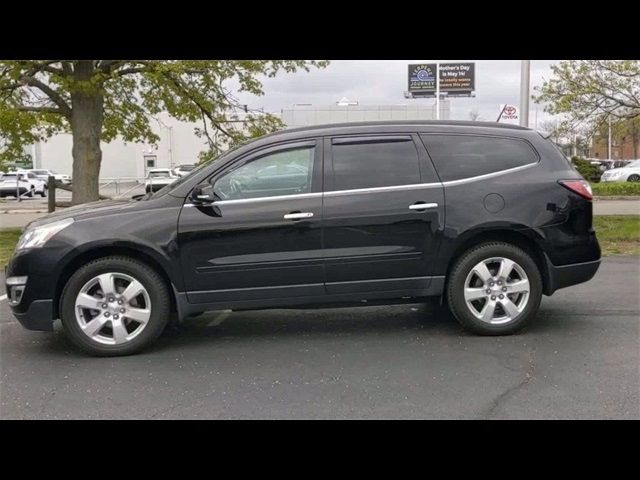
(203, 194)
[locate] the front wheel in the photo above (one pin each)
(494, 289)
(43, 193)
(114, 306)
(633, 178)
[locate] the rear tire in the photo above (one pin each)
(499, 304)
(116, 335)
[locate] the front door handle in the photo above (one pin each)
(298, 215)
(422, 206)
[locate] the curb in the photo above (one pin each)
(2, 212)
(629, 198)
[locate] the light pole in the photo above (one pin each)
(609, 143)
(525, 70)
(437, 91)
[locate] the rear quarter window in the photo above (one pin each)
(464, 156)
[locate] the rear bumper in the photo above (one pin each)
(567, 275)
(39, 316)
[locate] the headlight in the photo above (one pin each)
(37, 237)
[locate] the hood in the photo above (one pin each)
(86, 210)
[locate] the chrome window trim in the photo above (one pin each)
(461, 181)
(357, 191)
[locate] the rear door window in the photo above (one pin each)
(464, 156)
(370, 162)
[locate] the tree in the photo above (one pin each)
(587, 92)
(99, 100)
(474, 115)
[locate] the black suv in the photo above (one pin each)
(485, 217)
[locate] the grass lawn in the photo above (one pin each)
(8, 239)
(613, 189)
(617, 234)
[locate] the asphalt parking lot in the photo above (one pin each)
(579, 360)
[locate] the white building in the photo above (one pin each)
(302, 115)
(179, 145)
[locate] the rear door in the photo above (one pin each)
(383, 214)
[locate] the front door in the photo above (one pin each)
(383, 214)
(262, 239)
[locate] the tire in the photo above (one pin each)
(43, 193)
(31, 192)
(155, 289)
(634, 178)
(524, 305)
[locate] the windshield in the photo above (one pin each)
(186, 168)
(158, 174)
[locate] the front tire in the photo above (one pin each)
(633, 178)
(114, 306)
(494, 289)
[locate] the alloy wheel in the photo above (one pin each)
(496, 290)
(112, 308)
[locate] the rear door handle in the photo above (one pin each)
(298, 215)
(422, 206)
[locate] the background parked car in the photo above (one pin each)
(628, 173)
(182, 170)
(158, 178)
(13, 184)
(44, 174)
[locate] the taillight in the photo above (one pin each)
(581, 187)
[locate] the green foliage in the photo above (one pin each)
(35, 98)
(611, 189)
(588, 171)
(587, 92)
(618, 234)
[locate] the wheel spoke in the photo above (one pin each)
(93, 327)
(134, 289)
(509, 307)
(519, 286)
(140, 315)
(474, 293)
(487, 312)
(119, 331)
(506, 266)
(87, 301)
(483, 272)
(107, 284)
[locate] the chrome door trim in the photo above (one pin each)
(422, 206)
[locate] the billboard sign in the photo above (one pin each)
(455, 78)
(422, 79)
(509, 114)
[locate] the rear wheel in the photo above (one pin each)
(494, 289)
(114, 306)
(633, 178)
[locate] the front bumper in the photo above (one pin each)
(568, 275)
(38, 316)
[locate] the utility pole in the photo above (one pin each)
(525, 69)
(437, 91)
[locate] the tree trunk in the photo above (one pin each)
(86, 127)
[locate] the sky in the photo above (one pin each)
(383, 82)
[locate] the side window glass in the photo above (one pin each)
(374, 164)
(464, 156)
(287, 172)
